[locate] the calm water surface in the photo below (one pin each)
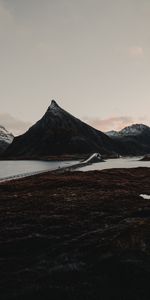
(24, 167)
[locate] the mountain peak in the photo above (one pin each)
(53, 104)
(53, 108)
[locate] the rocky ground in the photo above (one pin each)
(76, 236)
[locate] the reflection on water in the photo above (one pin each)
(129, 162)
(25, 167)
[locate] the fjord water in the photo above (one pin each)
(22, 168)
(12, 168)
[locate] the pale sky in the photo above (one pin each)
(91, 56)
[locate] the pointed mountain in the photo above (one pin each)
(57, 133)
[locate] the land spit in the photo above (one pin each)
(76, 235)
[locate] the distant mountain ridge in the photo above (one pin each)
(132, 130)
(57, 133)
(132, 140)
(6, 138)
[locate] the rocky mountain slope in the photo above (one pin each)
(6, 138)
(56, 133)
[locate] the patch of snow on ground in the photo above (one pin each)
(95, 155)
(147, 197)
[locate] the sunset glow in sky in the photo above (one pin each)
(92, 56)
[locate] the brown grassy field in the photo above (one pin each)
(76, 236)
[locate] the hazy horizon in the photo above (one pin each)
(91, 56)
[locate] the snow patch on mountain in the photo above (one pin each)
(134, 129)
(5, 136)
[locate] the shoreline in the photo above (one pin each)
(75, 166)
(58, 170)
(64, 157)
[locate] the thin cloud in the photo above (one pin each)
(136, 52)
(113, 123)
(14, 125)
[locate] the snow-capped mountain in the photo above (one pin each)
(58, 132)
(134, 139)
(6, 138)
(5, 135)
(134, 129)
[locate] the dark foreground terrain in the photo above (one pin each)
(76, 236)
